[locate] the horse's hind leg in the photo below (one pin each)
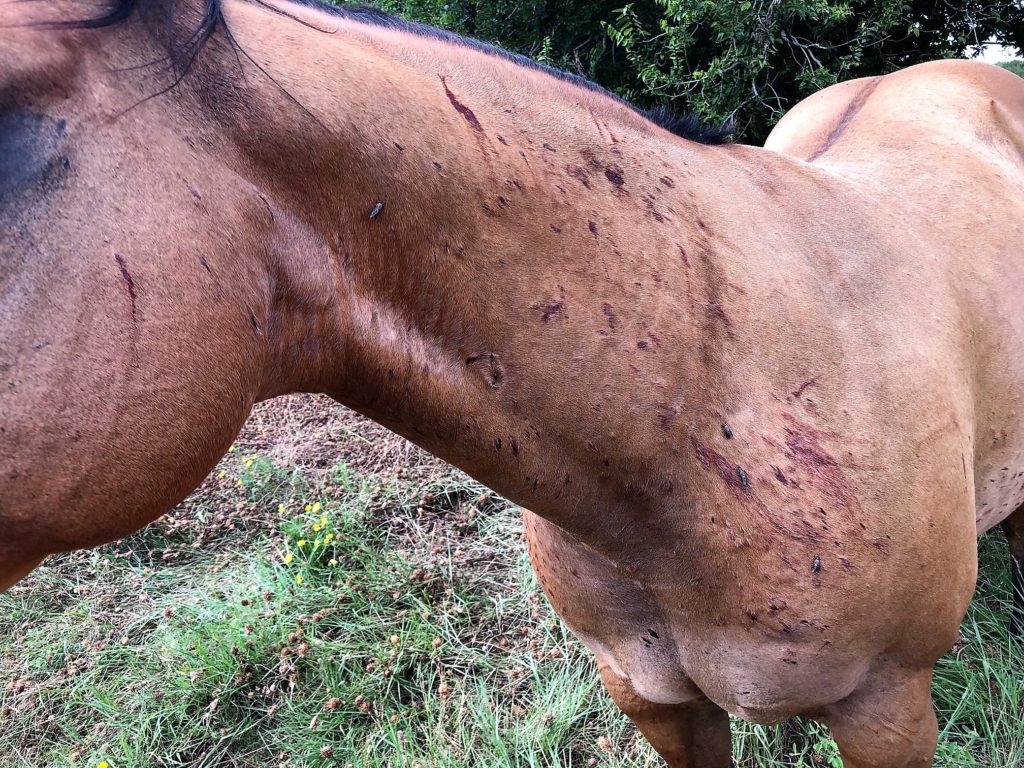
(887, 723)
(685, 735)
(1013, 527)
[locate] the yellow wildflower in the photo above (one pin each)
(221, 474)
(328, 538)
(280, 507)
(316, 543)
(232, 449)
(302, 542)
(238, 483)
(317, 526)
(309, 507)
(316, 508)
(332, 562)
(323, 521)
(298, 579)
(288, 558)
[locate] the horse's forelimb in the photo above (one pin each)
(1013, 527)
(13, 567)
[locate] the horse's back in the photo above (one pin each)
(925, 109)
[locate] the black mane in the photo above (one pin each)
(686, 126)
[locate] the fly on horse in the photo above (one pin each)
(761, 401)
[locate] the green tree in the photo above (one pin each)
(1017, 67)
(568, 34)
(750, 61)
(742, 60)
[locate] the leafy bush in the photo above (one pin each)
(748, 61)
(1017, 67)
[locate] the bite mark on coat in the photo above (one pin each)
(128, 282)
(614, 174)
(461, 108)
(800, 390)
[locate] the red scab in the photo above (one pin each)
(725, 469)
(702, 452)
(128, 281)
(714, 310)
(614, 174)
(579, 173)
(817, 468)
(800, 390)
(808, 452)
(609, 313)
(461, 108)
(553, 310)
(667, 418)
(592, 227)
(778, 475)
(591, 158)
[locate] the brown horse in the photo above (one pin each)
(761, 400)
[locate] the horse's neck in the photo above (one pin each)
(504, 280)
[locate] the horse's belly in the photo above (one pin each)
(999, 475)
(999, 492)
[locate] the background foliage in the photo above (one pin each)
(744, 60)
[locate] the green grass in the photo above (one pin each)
(406, 629)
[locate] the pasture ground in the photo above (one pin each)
(332, 596)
